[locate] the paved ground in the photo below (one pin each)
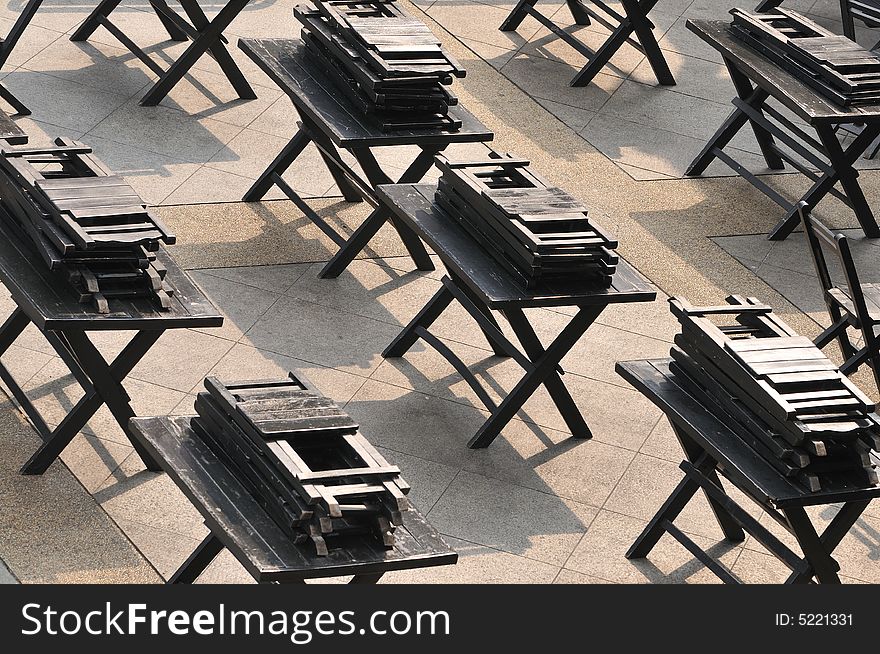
(570, 508)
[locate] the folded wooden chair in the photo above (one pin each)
(855, 305)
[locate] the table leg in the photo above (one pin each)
(93, 21)
(367, 579)
(533, 348)
(367, 230)
(580, 16)
(9, 332)
(208, 39)
(162, 10)
(196, 563)
(330, 155)
(20, 108)
(824, 567)
(670, 510)
(517, 16)
(637, 13)
(544, 366)
(831, 537)
(105, 378)
(694, 453)
(424, 318)
(842, 164)
(281, 163)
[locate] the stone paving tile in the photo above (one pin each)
(548, 80)
(601, 554)
(275, 279)
(478, 564)
(94, 459)
(585, 471)
(662, 443)
(38, 38)
(60, 102)
(572, 577)
(648, 483)
(153, 176)
(429, 479)
(110, 68)
(202, 188)
(6, 577)
(616, 415)
(181, 358)
(148, 498)
(166, 550)
(654, 149)
(162, 130)
(77, 541)
(368, 289)
(245, 304)
(532, 524)
(314, 333)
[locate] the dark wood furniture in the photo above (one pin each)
(712, 449)
(44, 300)
(237, 522)
(481, 285)
(330, 121)
(756, 81)
(867, 11)
(10, 132)
(632, 27)
(853, 305)
(206, 38)
(6, 47)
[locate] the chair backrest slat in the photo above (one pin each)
(819, 235)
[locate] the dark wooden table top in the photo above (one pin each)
(283, 60)
(414, 204)
(739, 462)
(808, 104)
(50, 303)
(10, 131)
(250, 534)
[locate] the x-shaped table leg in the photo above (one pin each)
(208, 39)
(753, 96)
(544, 370)
(381, 214)
(636, 22)
(680, 497)
(106, 7)
(817, 549)
(105, 388)
(842, 164)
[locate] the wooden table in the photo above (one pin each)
(330, 121)
(482, 286)
(206, 38)
(46, 301)
(712, 448)
(631, 27)
(756, 81)
(238, 523)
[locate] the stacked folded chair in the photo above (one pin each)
(387, 63)
(303, 460)
(535, 230)
(837, 67)
(89, 226)
(789, 402)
